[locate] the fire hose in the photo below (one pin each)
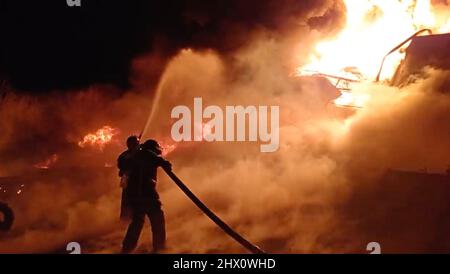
(226, 228)
(8, 217)
(211, 215)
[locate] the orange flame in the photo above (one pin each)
(48, 162)
(372, 29)
(100, 138)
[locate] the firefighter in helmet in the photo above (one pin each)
(141, 196)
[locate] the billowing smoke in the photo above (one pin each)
(316, 194)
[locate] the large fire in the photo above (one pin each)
(99, 139)
(372, 29)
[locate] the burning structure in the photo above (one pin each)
(430, 50)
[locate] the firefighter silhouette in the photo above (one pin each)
(138, 169)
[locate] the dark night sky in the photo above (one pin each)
(46, 45)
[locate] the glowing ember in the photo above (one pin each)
(46, 164)
(99, 139)
(372, 29)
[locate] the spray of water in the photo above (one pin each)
(144, 134)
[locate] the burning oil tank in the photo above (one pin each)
(424, 51)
